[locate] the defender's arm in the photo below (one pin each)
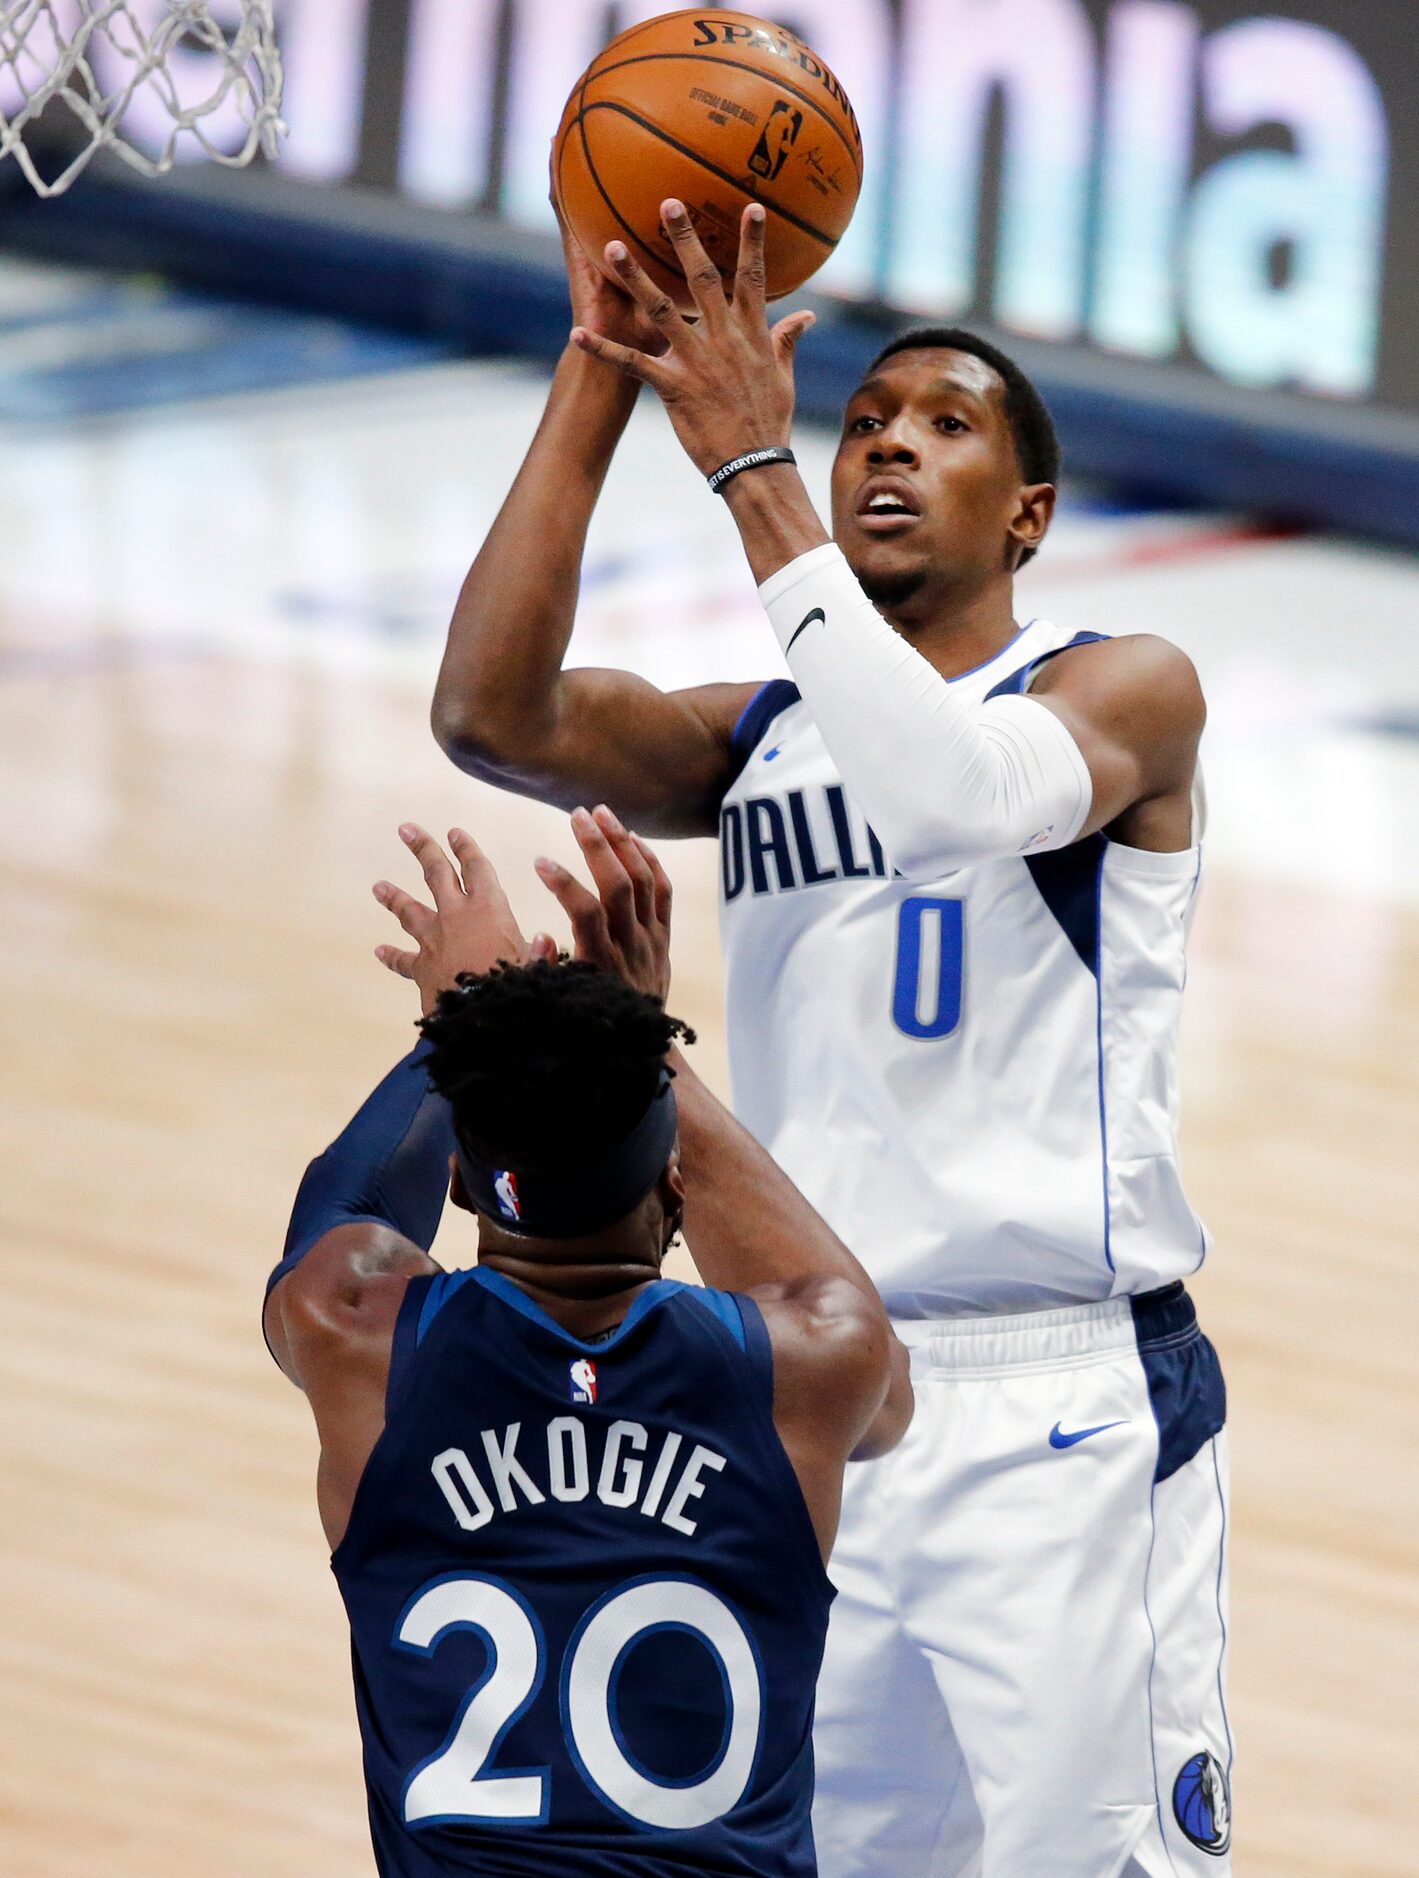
(369, 1206)
(747, 1226)
(364, 1217)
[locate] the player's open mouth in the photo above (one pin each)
(887, 506)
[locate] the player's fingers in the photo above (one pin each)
(788, 332)
(664, 892)
(412, 914)
(573, 898)
(442, 881)
(544, 947)
(583, 909)
(625, 359)
(553, 195)
(702, 276)
(477, 870)
(653, 301)
(751, 275)
(400, 963)
(608, 873)
(631, 858)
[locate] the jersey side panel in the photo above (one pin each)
(1147, 902)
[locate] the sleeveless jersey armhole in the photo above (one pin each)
(723, 1306)
(759, 1350)
(1018, 683)
(757, 1347)
(403, 1367)
(405, 1342)
(768, 702)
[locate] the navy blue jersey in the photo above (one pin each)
(586, 1602)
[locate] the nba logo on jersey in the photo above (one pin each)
(583, 1381)
(505, 1187)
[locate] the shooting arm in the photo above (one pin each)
(938, 786)
(505, 710)
(944, 778)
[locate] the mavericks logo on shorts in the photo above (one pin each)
(1202, 1804)
(583, 1381)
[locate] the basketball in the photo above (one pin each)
(719, 110)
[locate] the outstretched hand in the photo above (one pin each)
(469, 928)
(627, 929)
(598, 304)
(726, 380)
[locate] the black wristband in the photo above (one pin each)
(751, 459)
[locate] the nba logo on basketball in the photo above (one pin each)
(583, 1381)
(505, 1187)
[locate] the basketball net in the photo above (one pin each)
(134, 75)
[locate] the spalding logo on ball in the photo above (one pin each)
(721, 110)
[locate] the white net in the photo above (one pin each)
(135, 76)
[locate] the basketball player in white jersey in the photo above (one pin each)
(959, 860)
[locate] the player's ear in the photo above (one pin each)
(1029, 525)
(457, 1192)
(671, 1189)
(672, 1182)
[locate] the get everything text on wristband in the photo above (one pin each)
(751, 459)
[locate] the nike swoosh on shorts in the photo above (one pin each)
(1057, 1439)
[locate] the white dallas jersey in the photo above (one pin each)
(972, 1078)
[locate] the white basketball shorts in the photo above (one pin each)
(1026, 1660)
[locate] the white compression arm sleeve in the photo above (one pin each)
(943, 778)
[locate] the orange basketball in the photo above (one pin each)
(720, 110)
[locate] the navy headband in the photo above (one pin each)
(579, 1194)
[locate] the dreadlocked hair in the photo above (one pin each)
(541, 1059)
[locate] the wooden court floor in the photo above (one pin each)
(189, 1009)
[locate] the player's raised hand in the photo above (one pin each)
(624, 926)
(598, 304)
(470, 926)
(726, 379)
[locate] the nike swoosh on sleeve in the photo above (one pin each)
(807, 620)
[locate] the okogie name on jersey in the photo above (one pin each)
(625, 1466)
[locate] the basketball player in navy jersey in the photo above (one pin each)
(578, 1513)
(960, 852)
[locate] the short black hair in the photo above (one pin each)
(548, 1058)
(1027, 414)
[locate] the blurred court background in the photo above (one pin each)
(253, 427)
